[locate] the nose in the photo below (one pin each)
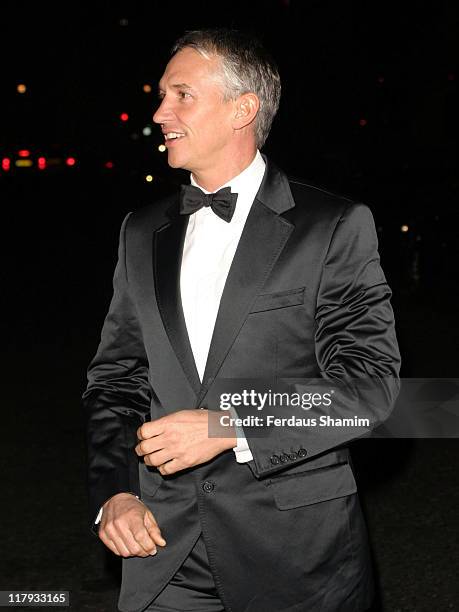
(163, 112)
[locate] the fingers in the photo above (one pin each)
(109, 543)
(153, 529)
(159, 426)
(157, 458)
(151, 428)
(137, 541)
(170, 467)
(119, 550)
(152, 445)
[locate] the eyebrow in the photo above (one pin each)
(177, 86)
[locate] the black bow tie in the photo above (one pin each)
(222, 202)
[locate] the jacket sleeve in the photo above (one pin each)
(117, 397)
(355, 345)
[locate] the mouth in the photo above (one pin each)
(171, 138)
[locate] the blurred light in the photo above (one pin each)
(41, 163)
(124, 22)
(161, 148)
(149, 178)
(146, 130)
(147, 88)
(24, 153)
(23, 163)
(134, 136)
(451, 76)
(404, 228)
(6, 164)
(109, 165)
(381, 79)
(124, 116)
(21, 88)
(70, 161)
(363, 122)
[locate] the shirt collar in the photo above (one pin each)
(246, 185)
(245, 179)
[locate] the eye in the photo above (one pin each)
(183, 95)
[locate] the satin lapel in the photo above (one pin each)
(264, 236)
(168, 249)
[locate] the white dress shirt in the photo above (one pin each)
(209, 248)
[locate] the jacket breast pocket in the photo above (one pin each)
(313, 487)
(280, 299)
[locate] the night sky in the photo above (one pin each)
(392, 66)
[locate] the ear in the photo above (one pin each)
(246, 109)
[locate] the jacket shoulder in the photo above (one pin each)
(152, 216)
(319, 199)
(323, 208)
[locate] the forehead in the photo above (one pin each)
(189, 66)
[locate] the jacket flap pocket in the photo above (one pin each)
(281, 299)
(313, 487)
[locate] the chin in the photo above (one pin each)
(175, 161)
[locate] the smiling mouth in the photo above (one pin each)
(173, 136)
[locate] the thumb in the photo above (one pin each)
(153, 528)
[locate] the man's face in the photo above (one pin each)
(197, 123)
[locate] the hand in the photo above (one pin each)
(181, 440)
(128, 528)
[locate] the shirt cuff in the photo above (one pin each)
(99, 516)
(241, 450)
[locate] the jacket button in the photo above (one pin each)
(302, 452)
(293, 456)
(284, 458)
(208, 486)
(275, 459)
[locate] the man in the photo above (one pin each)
(282, 280)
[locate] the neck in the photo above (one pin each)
(213, 178)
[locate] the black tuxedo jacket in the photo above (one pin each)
(305, 298)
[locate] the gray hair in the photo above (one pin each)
(246, 67)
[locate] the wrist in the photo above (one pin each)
(122, 495)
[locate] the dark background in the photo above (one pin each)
(369, 109)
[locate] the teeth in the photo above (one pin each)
(172, 135)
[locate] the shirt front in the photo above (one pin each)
(209, 248)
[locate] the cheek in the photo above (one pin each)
(219, 130)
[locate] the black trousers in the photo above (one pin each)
(192, 589)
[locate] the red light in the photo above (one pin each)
(41, 161)
(451, 76)
(70, 161)
(24, 153)
(6, 164)
(363, 122)
(109, 165)
(124, 116)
